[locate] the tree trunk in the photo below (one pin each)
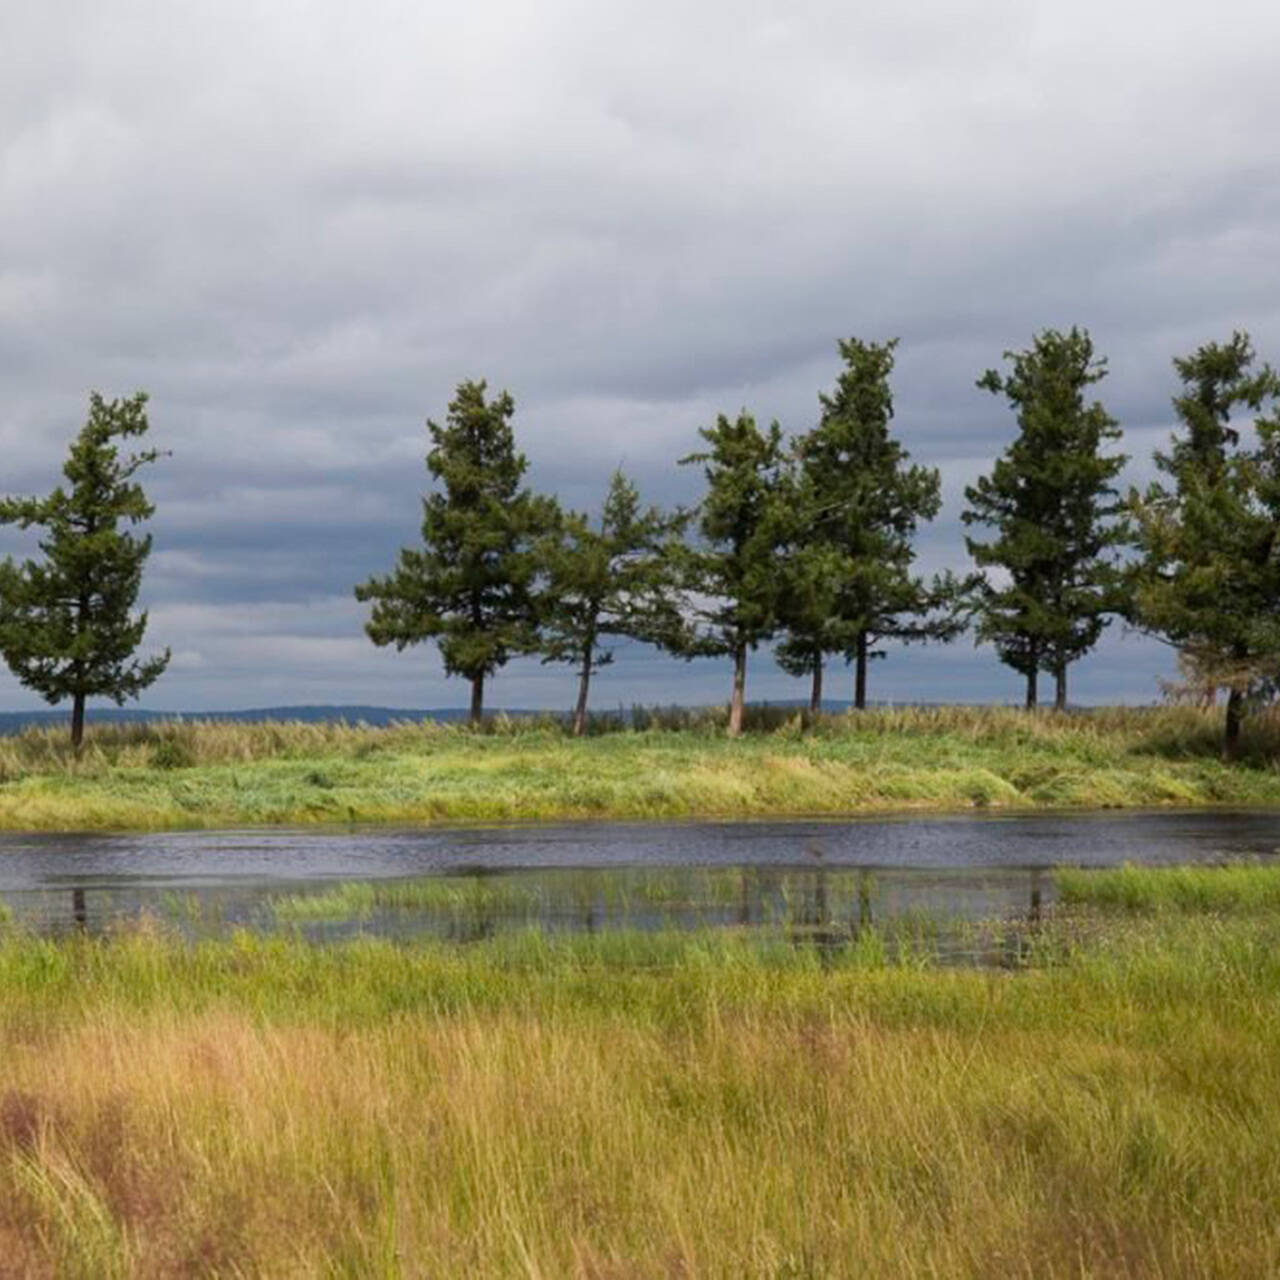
(1231, 734)
(860, 673)
(864, 898)
(584, 685)
(1031, 689)
(77, 722)
(738, 702)
(477, 699)
(1060, 686)
(815, 695)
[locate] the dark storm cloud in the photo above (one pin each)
(299, 226)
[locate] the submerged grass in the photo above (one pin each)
(357, 899)
(642, 1105)
(615, 894)
(195, 774)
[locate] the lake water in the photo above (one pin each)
(825, 879)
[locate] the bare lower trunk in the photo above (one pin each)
(1031, 689)
(477, 698)
(815, 695)
(77, 721)
(860, 673)
(1060, 687)
(864, 897)
(1235, 717)
(584, 686)
(737, 703)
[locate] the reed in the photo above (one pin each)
(691, 1105)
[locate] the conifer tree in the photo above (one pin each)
(67, 626)
(859, 503)
(1056, 517)
(744, 521)
(1210, 578)
(472, 585)
(612, 582)
(1215, 380)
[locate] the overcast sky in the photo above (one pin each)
(299, 226)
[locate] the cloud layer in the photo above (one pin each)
(299, 226)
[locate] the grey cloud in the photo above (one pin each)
(300, 226)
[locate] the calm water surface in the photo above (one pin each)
(818, 875)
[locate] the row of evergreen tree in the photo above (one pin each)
(809, 541)
(806, 542)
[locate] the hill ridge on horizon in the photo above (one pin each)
(336, 713)
(308, 712)
(378, 716)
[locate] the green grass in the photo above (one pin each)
(217, 775)
(1240, 887)
(638, 1105)
(357, 899)
(616, 893)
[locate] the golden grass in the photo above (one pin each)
(263, 1109)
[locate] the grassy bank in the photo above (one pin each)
(201, 774)
(643, 1106)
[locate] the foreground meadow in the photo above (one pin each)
(681, 765)
(652, 1105)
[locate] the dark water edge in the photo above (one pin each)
(930, 882)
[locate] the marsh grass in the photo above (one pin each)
(469, 895)
(639, 1105)
(193, 774)
(792, 912)
(1235, 887)
(617, 893)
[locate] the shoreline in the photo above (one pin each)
(876, 765)
(302, 825)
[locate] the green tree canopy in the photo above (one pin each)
(472, 585)
(859, 501)
(1216, 381)
(1056, 517)
(1210, 578)
(744, 521)
(611, 582)
(67, 626)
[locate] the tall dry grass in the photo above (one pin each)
(1177, 731)
(533, 1109)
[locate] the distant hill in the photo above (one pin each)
(16, 721)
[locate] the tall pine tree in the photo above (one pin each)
(607, 583)
(1210, 578)
(744, 521)
(472, 585)
(67, 626)
(1056, 517)
(859, 503)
